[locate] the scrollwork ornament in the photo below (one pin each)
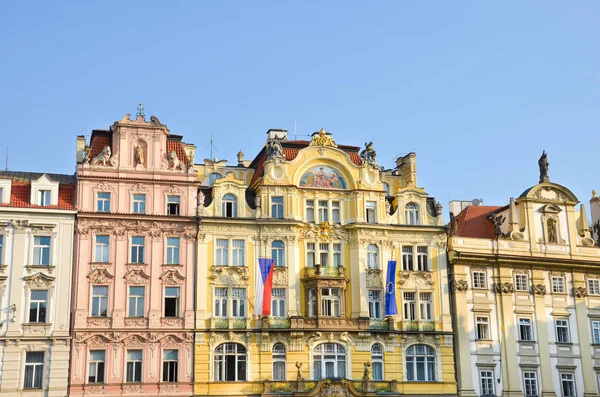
(539, 289)
(579, 292)
(461, 285)
(504, 288)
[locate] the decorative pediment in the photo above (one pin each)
(550, 209)
(138, 187)
(548, 191)
(135, 340)
(171, 340)
(172, 277)
(173, 190)
(39, 280)
(136, 276)
(324, 232)
(100, 276)
(97, 340)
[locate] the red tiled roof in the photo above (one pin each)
(179, 149)
(473, 222)
(20, 196)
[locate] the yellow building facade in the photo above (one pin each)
(526, 293)
(331, 219)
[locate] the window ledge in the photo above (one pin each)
(173, 264)
(50, 267)
(135, 264)
(566, 344)
(527, 342)
(101, 263)
(36, 324)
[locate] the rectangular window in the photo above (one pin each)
(220, 302)
(37, 306)
(374, 304)
(558, 285)
(593, 286)
(525, 330)
(277, 207)
(172, 302)
(96, 366)
(335, 212)
(596, 332)
(371, 212)
(139, 204)
(483, 328)
(137, 249)
(310, 210)
(103, 202)
(136, 301)
(409, 306)
(170, 365)
(487, 382)
(567, 385)
(1, 248)
(562, 331)
(479, 280)
(337, 255)
(330, 302)
(323, 211)
(34, 370)
(173, 205)
(133, 366)
(44, 198)
(422, 265)
(99, 301)
(407, 258)
(172, 250)
(101, 249)
(312, 302)
(238, 253)
(425, 306)
(222, 252)
(530, 382)
(41, 250)
(521, 282)
(324, 254)
(278, 302)
(278, 253)
(238, 302)
(310, 254)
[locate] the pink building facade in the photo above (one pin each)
(133, 305)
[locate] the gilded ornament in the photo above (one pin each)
(322, 139)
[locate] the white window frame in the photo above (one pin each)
(35, 368)
(411, 213)
(521, 282)
(134, 363)
(279, 357)
(139, 250)
(487, 382)
(336, 212)
(221, 302)
(593, 286)
(229, 199)
(422, 258)
(332, 353)
(568, 378)
(479, 279)
(409, 305)
(331, 302)
(596, 332)
(278, 253)
(239, 302)
(164, 378)
(278, 299)
(309, 205)
(377, 362)
(312, 302)
(525, 330)
(429, 357)
(323, 210)
(558, 285)
(100, 299)
(38, 304)
(530, 384)
(133, 301)
(372, 256)
(230, 349)
(173, 205)
(563, 333)
(101, 250)
(173, 251)
(426, 306)
(103, 203)
(482, 329)
(44, 197)
(39, 249)
(138, 203)
(230, 254)
(371, 212)
(277, 207)
(176, 298)
(408, 258)
(95, 363)
(375, 305)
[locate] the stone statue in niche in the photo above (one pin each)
(543, 163)
(102, 157)
(368, 154)
(138, 154)
(552, 237)
(274, 148)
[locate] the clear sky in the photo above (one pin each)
(476, 88)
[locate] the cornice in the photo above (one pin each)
(458, 257)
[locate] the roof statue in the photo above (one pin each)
(322, 138)
(274, 148)
(543, 163)
(140, 111)
(368, 154)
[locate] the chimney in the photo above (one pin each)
(277, 133)
(80, 151)
(595, 207)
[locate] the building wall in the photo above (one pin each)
(121, 330)
(18, 277)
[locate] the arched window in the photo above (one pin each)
(230, 206)
(420, 363)
(411, 212)
(279, 362)
(329, 361)
(377, 361)
(230, 362)
(278, 252)
(373, 257)
(213, 177)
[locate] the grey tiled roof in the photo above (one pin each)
(18, 176)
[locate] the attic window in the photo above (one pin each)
(44, 198)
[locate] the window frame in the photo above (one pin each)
(278, 303)
(34, 368)
(563, 333)
(409, 305)
(44, 197)
(482, 327)
(38, 257)
(371, 211)
(372, 256)
(100, 297)
(422, 258)
(411, 213)
(96, 363)
(278, 253)
(374, 298)
(377, 362)
(38, 310)
(478, 281)
(596, 332)
(137, 299)
(558, 284)
(138, 203)
(137, 372)
(277, 207)
(593, 286)
(139, 248)
(426, 306)
(488, 388)
(173, 205)
(408, 258)
(229, 202)
(320, 355)
(279, 359)
(530, 384)
(523, 285)
(309, 209)
(429, 358)
(165, 378)
(525, 329)
(173, 251)
(104, 256)
(168, 298)
(103, 203)
(331, 302)
(220, 362)
(569, 378)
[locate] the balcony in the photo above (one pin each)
(325, 322)
(379, 323)
(229, 323)
(276, 322)
(418, 326)
(331, 387)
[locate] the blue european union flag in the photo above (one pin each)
(390, 290)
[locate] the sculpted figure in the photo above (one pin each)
(368, 154)
(274, 148)
(138, 153)
(543, 163)
(174, 161)
(102, 157)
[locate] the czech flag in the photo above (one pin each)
(263, 287)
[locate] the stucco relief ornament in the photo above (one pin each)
(172, 277)
(299, 368)
(39, 280)
(100, 276)
(504, 288)
(368, 155)
(136, 277)
(461, 285)
(322, 138)
(579, 292)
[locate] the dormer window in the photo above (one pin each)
(371, 214)
(173, 205)
(44, 198)
(229, 206)
(411, 213)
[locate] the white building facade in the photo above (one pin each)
(37, 223)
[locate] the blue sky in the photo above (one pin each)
(476, 89)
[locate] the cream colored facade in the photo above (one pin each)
(332, 220)
(36, 260)
(526, 289)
